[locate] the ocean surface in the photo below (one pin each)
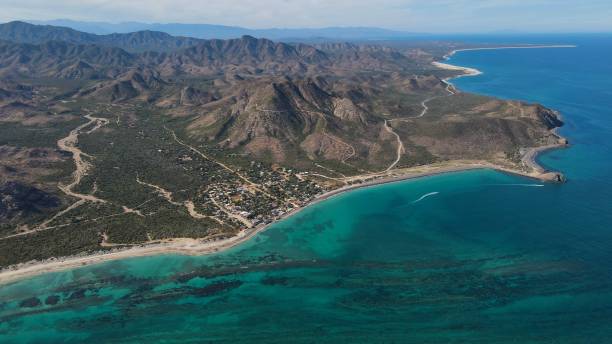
(473, 257)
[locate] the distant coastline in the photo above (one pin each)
(447, 56)
(198, 247)
(467, 71)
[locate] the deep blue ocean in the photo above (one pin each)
(484, 258)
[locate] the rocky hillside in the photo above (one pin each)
(245, 55)
(62, 60)
(22, 201)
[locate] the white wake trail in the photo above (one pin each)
(425, 196)
(525, 185)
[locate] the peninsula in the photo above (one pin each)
(132, 145)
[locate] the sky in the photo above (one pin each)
(434, 16)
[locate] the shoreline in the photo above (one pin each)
(468, 71)
(552, 46)
(202, 247)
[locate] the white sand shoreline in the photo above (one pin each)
(466, 70)
(201, 247)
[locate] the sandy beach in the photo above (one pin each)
(196, 247)
(466, 71)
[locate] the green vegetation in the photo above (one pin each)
(16, 134)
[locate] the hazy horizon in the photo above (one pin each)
(425, 17)
(59, 21)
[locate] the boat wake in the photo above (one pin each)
(524, 185)
(425, 196)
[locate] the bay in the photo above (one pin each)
(476, 257)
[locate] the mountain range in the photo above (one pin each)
(58, 51)
(208, 31)
(255, 95)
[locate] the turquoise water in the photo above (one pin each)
(484, 258)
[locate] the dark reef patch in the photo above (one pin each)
(52, 300)
(77, 295)
(30, 303)
(216, 288)
(273, 280)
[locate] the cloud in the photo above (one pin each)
(413, 15)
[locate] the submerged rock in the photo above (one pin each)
(52, 300)
(555, 177)
(29, 303)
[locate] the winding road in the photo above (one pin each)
(400, 147)
(69, 143)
